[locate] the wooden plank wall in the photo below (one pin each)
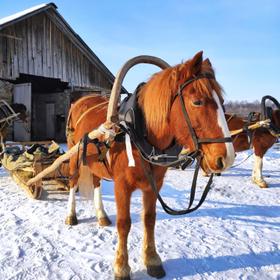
(37, 46)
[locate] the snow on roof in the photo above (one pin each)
(23, 13)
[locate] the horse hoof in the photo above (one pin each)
(261, 183)
(71, 221)
(156, 271)
(218, 174)
(263, 186)
(122, 278)
(104, 222)
(36, 192)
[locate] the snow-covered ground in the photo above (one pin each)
(234, 235)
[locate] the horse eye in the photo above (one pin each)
(197, 103)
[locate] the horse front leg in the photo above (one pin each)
(101, 215)
(122, 196)
(257, 177)
(150, 256)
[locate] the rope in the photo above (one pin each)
(242, 160)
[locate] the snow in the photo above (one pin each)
(234, 235)
(21, 14)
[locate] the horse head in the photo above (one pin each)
(184, 103)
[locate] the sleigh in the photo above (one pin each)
(24, 160)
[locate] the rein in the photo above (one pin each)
(166, 208)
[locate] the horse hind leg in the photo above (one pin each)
(100, 213)
(150, 256)
(257, 177)
(71, 218)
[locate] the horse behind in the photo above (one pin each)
(260, 140)
(165, 123)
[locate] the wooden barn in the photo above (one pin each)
(48, 66)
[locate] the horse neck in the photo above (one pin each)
(160, 139)
(155, 101)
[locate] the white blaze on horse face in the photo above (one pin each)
(223, 125)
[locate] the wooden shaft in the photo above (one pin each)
(116, 90)
(250, 127)
(92, 135)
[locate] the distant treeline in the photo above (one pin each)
(242, 108)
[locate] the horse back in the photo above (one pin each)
(86, 114)
(261, 139)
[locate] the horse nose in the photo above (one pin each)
(220, 163)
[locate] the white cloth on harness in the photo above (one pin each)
(128, 146)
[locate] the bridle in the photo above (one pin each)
(197, 154)
(196, 140)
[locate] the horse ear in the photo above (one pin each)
(195, 63)
(207, 62)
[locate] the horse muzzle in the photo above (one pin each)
(216, 164)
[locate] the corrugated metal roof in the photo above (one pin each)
(20, 15)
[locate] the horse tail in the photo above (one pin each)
(69, 130)
(85, 182)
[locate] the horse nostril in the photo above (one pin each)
(220, 163)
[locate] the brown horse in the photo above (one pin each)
(165, 122)
(260, 140)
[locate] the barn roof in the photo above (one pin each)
(60, 22)
(6, 21)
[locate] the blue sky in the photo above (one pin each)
(241, 38)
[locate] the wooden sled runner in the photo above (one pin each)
(24, 160)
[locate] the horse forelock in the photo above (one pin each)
(156, 97)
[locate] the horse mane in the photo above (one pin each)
(157, 95)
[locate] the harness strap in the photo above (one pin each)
(249, 134)
(195, 139)
(88, 111)
(166, 208)
(98, 145)
(101, 152)
(230, 118)
(214, 140)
